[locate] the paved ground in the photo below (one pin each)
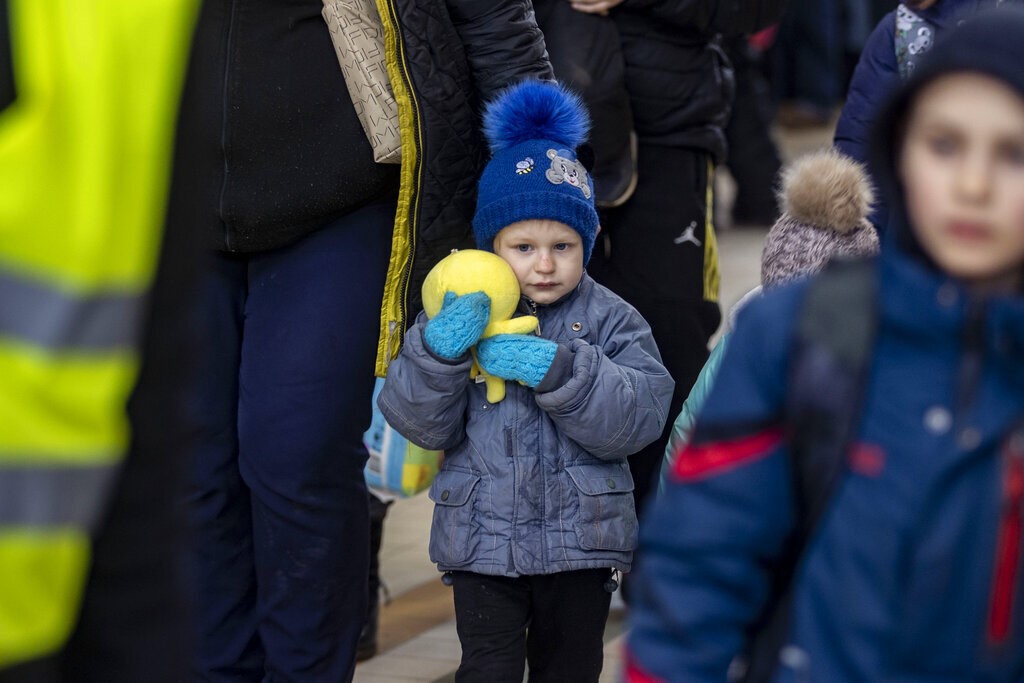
(417, 636)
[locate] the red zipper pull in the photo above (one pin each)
(1011, 527)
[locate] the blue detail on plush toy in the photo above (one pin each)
(519, 357)
(458, 325)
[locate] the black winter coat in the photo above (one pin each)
(271, 144)
(452, 56)
(679, 79)
(270, 148)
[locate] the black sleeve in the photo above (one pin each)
(502, 42)
(728, 17)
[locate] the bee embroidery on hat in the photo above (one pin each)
(525, 166)
(565, 170)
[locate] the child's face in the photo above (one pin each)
(546, 256)
(962, 166)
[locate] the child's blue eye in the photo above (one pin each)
(562, 246)
(523, 248)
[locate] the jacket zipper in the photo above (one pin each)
(1011, 523)
(533, 312)
(509, 452)
(226, 105)
(414, 205)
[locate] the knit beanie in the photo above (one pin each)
(825, 198)
(533, 129)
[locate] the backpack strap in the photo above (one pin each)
(834, 341)
(828, 369)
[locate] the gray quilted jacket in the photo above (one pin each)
(537, 483)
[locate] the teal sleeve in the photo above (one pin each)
(683, 426)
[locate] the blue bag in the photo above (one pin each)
(396, 466)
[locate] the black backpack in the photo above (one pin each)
(828, 370)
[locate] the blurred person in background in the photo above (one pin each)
(94, 343)
(806, 63)
(752, 156)
(914, 568)
(825, 197)
(899, 40)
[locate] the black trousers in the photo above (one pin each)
(753, 157)
(277, 495)
(659, 254)
(555, 622)
(378, 511)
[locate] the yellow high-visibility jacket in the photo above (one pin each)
(85, 156)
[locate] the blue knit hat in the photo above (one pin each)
(533, 129)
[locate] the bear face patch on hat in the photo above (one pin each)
(533, 129)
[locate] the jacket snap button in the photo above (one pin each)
(938, 420)
(969, 438)
(610, 482)
(576, 327)
(947, 295)
(445, 494)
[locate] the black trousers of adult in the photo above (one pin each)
(278, 498)
(754, 160)
(554, 622)
(807, 57)
(659, 253)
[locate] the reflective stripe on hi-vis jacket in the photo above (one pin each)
(85, 156)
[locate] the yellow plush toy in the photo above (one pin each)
(472, 270)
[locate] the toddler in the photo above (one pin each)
(533, 503)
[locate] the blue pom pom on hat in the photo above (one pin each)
(533, 129)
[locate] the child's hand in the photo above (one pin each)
(519, 357)
(458, 325)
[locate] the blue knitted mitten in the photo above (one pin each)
(519, 357)
(458, 325)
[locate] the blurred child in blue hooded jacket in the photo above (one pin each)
(914, 572)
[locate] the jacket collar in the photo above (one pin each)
(917, 299)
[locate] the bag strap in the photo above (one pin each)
(829, 366)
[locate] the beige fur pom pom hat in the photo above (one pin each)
(825, 198)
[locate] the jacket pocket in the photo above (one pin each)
(451, 530)
(606, 519)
